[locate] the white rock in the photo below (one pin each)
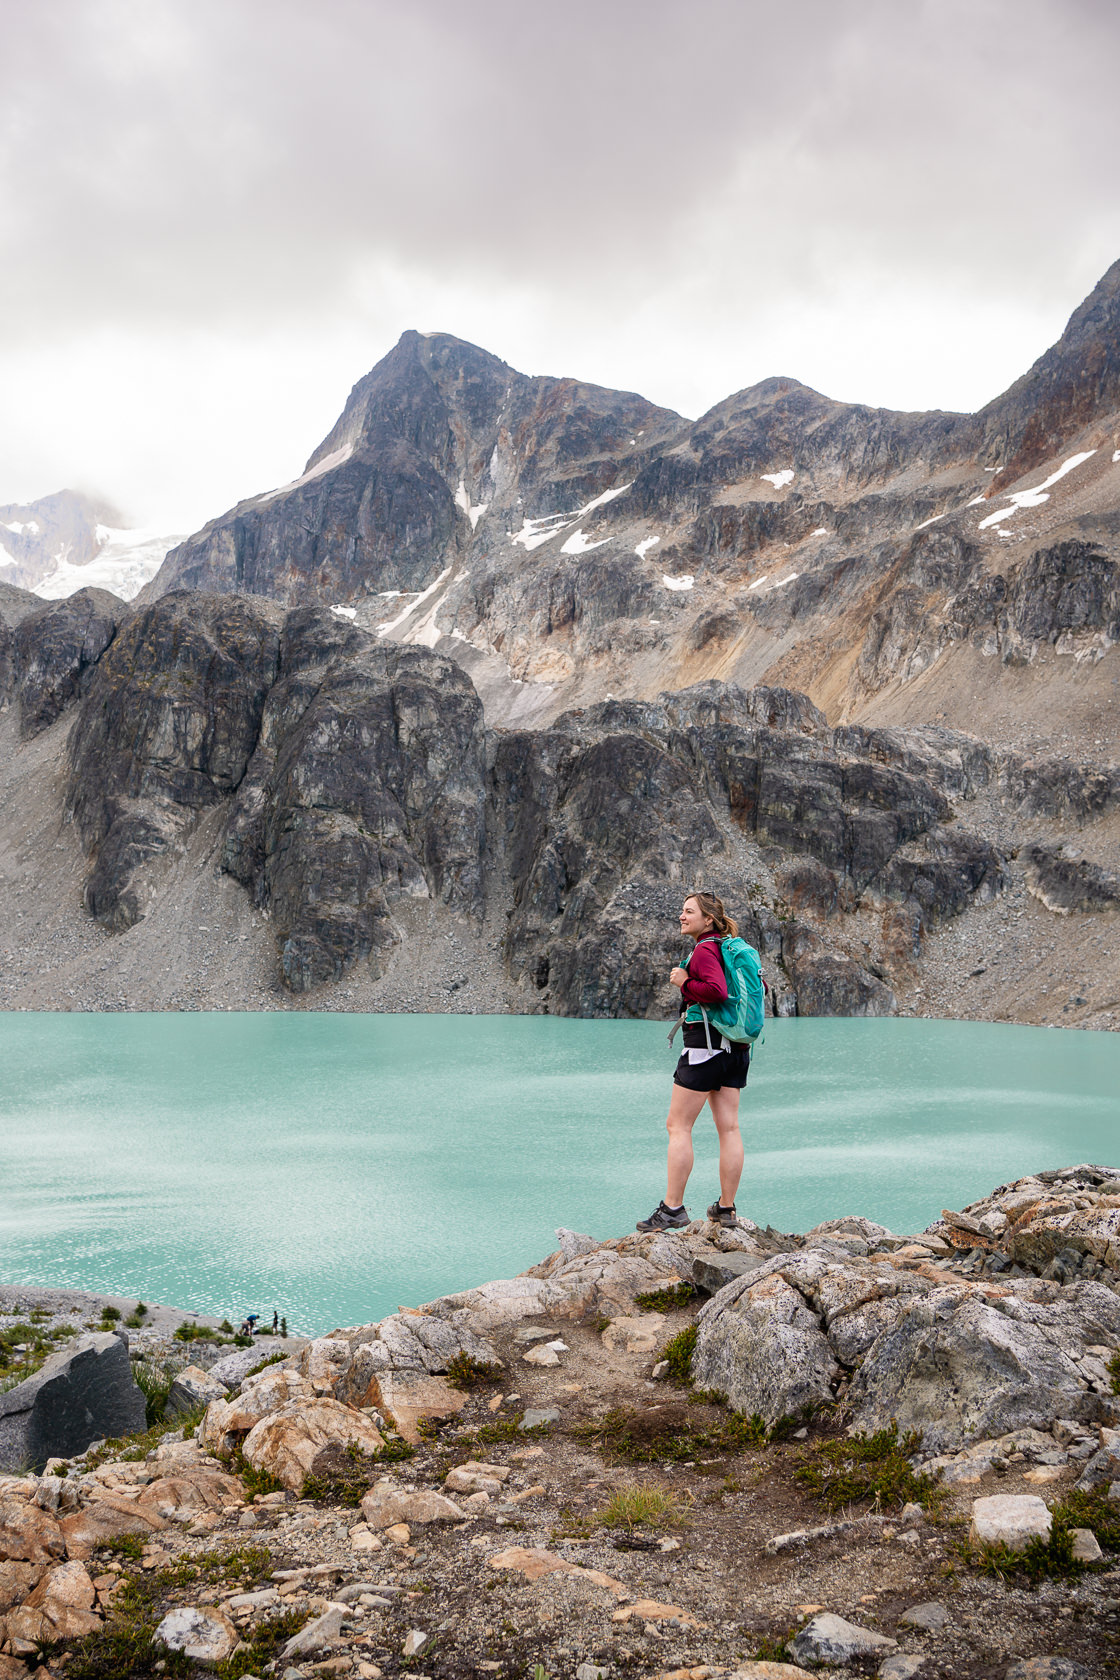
(414, 1643)
(830, 1642)
(1010, 1519)
(201, 1632)
(317, 1633)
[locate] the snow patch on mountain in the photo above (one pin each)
(126, 561)
(577, 543)
(1036, 496)
(327, 464)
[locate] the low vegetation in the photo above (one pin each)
(668, 1299)
(678, 1354)
(343, 1475)
(642, 1505)
(1052, 1559)
(674, 1433)
(128, 1449)
(188, 1332)
(465, 1372)
(853, 1468)
(25, 1345)
(125, 1649)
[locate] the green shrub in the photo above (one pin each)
(155, 1385)
(343, 1475)
(111, 1315)
(123, 1545)
(641, 1505)
(252, 1480)
(1090, 1510)
(264, 1644)
(1114, 1372)
(844, 1471)
(673, 1295)
(679, 1351)
(465, 1372)
(273, 1359)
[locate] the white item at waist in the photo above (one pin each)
(705, 1055)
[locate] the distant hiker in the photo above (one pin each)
(713, 1067)
(249, 1324)
(275, 1321)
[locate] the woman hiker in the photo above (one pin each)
(714, 1076)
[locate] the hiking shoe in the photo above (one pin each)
(722, 1215)
(664, 1219)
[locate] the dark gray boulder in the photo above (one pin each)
(85, 1394)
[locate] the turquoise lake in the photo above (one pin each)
(334, 1167)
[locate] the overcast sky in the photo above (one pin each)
(218, 214)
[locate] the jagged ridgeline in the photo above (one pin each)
(544, 656)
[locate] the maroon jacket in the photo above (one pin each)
(707, 982)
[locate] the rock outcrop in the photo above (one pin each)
(81, 1395)
(367, 785)
(170, 721)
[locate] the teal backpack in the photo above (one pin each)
(741, 1018)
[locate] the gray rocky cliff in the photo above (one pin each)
(350, 775)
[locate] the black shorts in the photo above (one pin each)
(730, 1067)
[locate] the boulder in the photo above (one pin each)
(761, 1344)
(193, 1388)
(226, 1421)
(182, 1498)
(829, 1641)
(107, 1518)
(232, 1368)
(1048, 1668)
(286, 1442)
(28, 1535)
(1102, 1469)
(1010, 1519)
(930, 1617)
(60, 1607)
(764, 1671)
(320, 1631)
(407, 1397)
(408, 1344)
(86, 1393)
(386, 1505)
(962, 1363)
(16, 1581)
(1086, 1546)
(634, 1335)
(201, 1632)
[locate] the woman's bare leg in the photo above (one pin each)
(724, 1104)
(684, 1106)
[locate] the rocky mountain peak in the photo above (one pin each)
(1076, 382)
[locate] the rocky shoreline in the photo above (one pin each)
(701, 1454)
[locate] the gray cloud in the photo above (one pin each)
(666, 186)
